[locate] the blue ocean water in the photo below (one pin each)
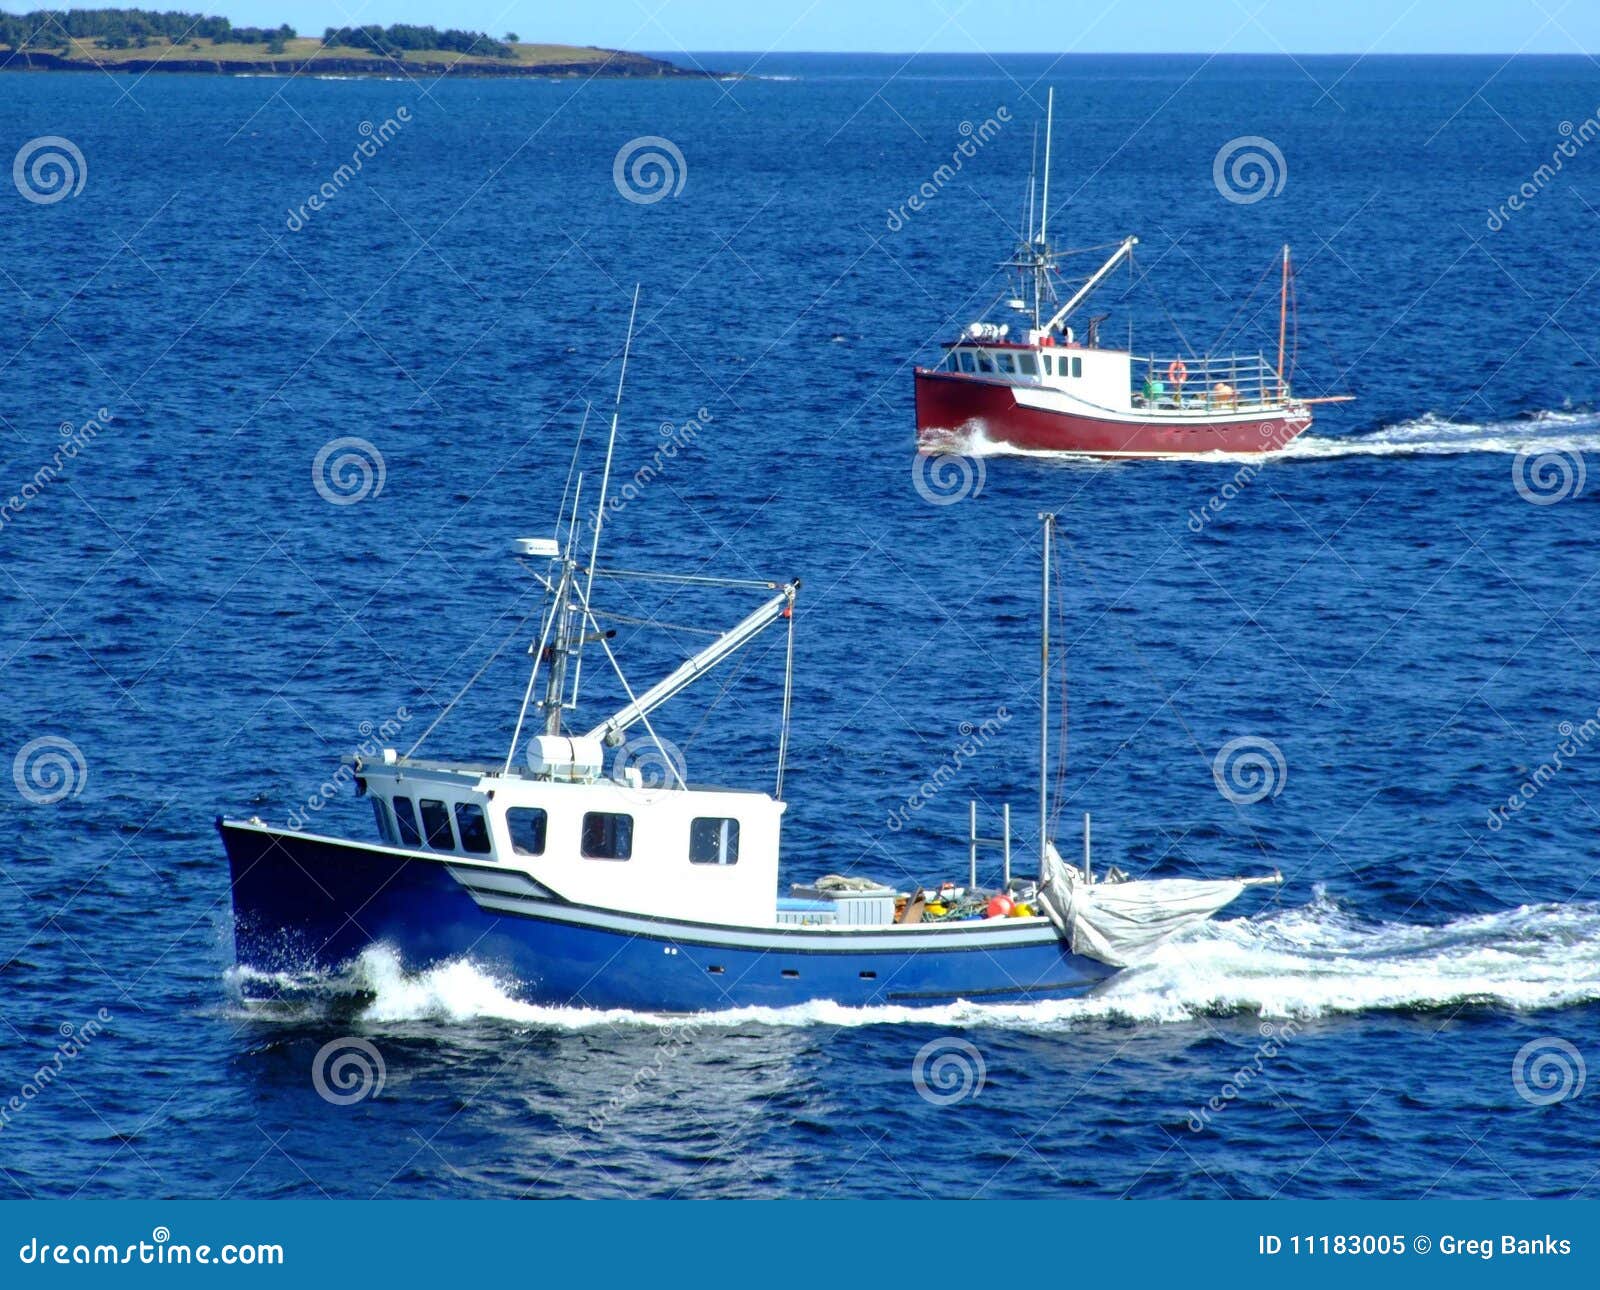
(1397, 615)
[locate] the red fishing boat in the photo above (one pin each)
(1046, 387)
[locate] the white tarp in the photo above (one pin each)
(1122, 922)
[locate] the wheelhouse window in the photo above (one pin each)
(967, 365)
(985, 363)
(1048, 363)
(380, 813)
(713, 840)
(1026, 365)
(1077, 366)
(436, 824)
(1005, 363)
(472, 828)
(607, 836)
(527, 825)
(405, 816)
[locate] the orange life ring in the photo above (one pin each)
(1177, 373)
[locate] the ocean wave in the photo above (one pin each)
(1305, 962)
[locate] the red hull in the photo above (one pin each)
(948, 404)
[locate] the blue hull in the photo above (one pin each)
(304, 903)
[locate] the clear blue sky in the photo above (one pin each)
(976, 26)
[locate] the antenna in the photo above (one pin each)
(1033, 170)
(1044, 205)
(605, 484)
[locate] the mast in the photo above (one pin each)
(1044, 203)
(1049, 520)
(605, 483)
(1283, 317)
(561, 647)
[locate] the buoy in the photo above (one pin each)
(1021, 910)
(998, 907)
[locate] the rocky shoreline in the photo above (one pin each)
(615, 63)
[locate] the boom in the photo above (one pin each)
(1100, 276)
(611, 729)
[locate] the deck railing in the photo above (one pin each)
(1238, 380)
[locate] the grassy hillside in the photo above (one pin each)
(530, 58)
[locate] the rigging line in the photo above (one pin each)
(572, 467)
(1162, 305)
(499, 649)
(632, 698)
(1171, 703)
(533, 672)
(1223, 335)
(690, 579)
(634, 621)
(788, 701)
(746, 660)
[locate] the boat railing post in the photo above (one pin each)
(972, 843)
(1005, 850)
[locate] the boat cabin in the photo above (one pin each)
(707, 854)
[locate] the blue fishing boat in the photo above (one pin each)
(630, 888)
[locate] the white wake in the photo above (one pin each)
(1310, 961)
(1428, 435)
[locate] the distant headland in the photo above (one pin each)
(142, 40)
